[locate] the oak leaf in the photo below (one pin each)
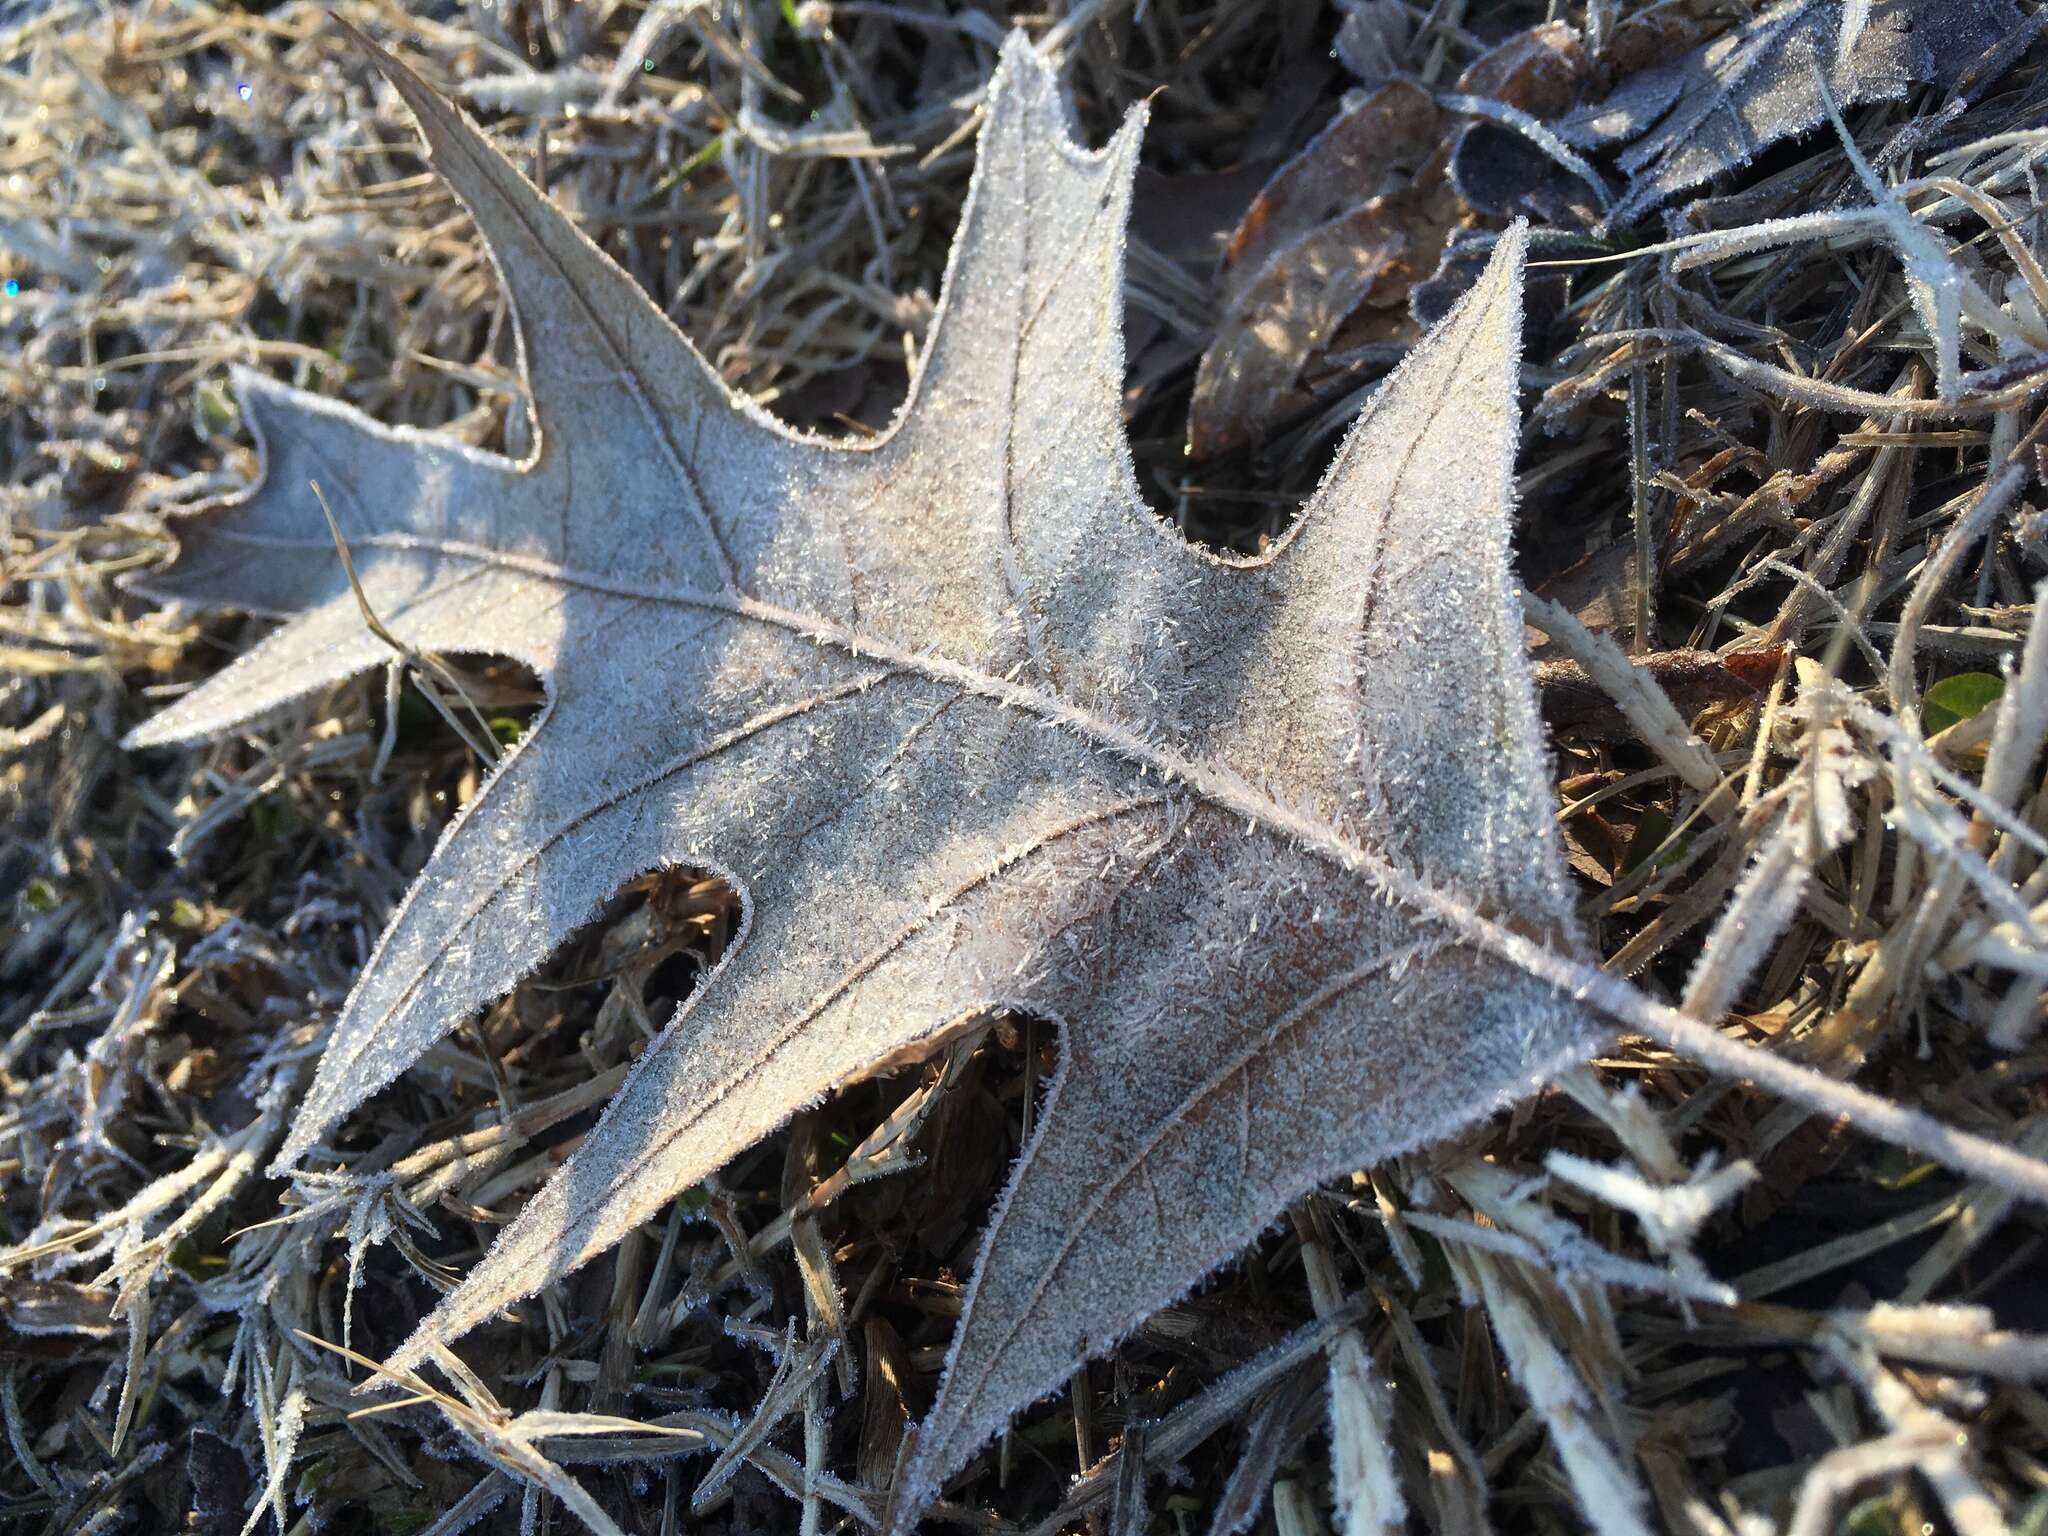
(968, 728)
(1728, 100)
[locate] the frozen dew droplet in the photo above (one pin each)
(244, 90)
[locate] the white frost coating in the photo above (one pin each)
(1269, 839)
(1733, 97)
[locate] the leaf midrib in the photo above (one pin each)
(1609, 996)
(1220, 787)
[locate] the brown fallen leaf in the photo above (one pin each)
(1597, 590)
(1651, 37)
(1327, 227)
(1538, 70)
(1721, 105)
(1275, 322)
(1694, 680)
(1365, 153)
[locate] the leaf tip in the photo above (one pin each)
(430, 109)
(1027, 82)
(377, 53)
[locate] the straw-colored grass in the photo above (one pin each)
(1653, 1299)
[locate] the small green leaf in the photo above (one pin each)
(213, 411)
(1652, 827)
(701, 158)
(188, 1258)
(1896, 1168)
(1957, 698)
(184, 914)
(1653, 831)
(1436, 1264)
(1872, 1517)
(40, 896)
(271, 817)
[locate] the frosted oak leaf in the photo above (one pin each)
(1267, 839)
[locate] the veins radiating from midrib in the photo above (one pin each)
(1235, 1069)
(875, 958)
(614, 795)
(700, 509)
(1222, 787)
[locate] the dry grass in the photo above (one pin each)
(1652, 1298)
